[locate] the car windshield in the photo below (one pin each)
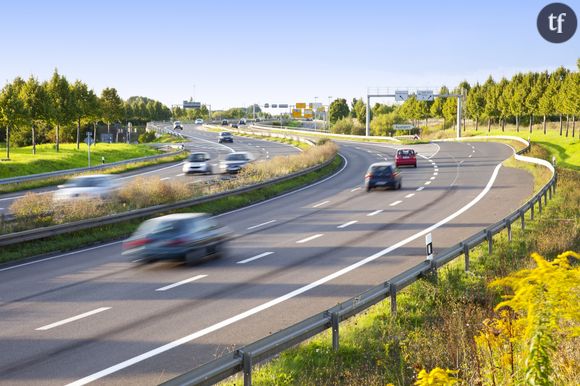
(199, 157)
(86, 182)
(225, 134)
(381, 170)
(236, 157)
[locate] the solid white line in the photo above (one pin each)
(164, 178)
(420, 188)
(395, 203)
(346, 224)
(283, 298)
(262, 224)
(65, 321)
(432, 178)
(355, 189)
(151, 171)
(181, 283)
(428, 183)
(309, 238)
(438, 148)
(409, 195)
(320, 204)
(180, 174)
(255, 257)
(374, 213)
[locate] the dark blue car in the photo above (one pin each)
(383, 175)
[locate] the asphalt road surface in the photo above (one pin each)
(93, 316)
(196, 140)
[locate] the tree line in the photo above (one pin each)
(526, 98)
(54, 111)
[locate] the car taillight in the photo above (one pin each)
(135, 243)
(369, 175)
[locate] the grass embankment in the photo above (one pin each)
(148, 192)
(437, 322)
(23, 162)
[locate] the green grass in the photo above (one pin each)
(116, 231)
(436, 320)
(168, 138)
(22, 162)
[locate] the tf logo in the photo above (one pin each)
(557, 22)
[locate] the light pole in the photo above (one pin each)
(315, 108)
(328, 115)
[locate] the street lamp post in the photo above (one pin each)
(315, 103)
(328, 115)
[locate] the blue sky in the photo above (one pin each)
(234, 53)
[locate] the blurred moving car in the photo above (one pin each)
(197, 163)
(91, 186)
(225, 136)
(406, 157)
(234, 125)
(199, 121)
(383, 174)
(177, 125)
(234, 162)
(183, 236)
(224, 122)
(242, 121)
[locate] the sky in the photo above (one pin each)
(233, 53)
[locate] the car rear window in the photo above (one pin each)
(381, 170)
(199, 157)
(406, 152)
(236, 157)
(159, 228)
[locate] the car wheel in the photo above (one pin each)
(400, 185)
(415, 165)
(368, 188)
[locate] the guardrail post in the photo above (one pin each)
(545, 198)
(523, 217)
(247, 366)
(532, 210)
(550, 191)
(509, 229)
(334, 322)
(540, 204)
(489, 238)
(466, 253)
(393, 293)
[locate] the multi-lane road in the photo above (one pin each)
(93, 316)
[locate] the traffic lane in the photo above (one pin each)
(329, 298)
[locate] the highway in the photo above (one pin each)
(93, 316)
(196, 140)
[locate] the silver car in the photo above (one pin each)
(90, 186)
(197, 163)
(184, 236)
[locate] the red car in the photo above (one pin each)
(406, 157)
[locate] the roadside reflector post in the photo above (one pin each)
(103, 160)
(429, 246)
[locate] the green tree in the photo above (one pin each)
(85, 102)
(558, 77)
(450, 108)
(61, 110)
(503, 105)
(491, 93)
(538, 84)
(36, 105)
(11, 108)
(518, 91)
(111, 106)
(463, 89)
(360, 111)
(436, 108)
(338, 109)
(546, 102)
(475, 104)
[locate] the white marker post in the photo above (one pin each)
(429, 244)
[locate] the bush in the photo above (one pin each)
(343, 126)
(148, 136)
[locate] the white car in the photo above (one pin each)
(199, 121)
(91, 186)
(177, 125)
(234, 162)
(197, 163)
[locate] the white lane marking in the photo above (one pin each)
(355, 189)
(255, 257)
(473, 151)
(346, 224)
(269, 304)
(320, 204)
(470, 155)
(395, 203)
(309, 238)
(1, 208)
(262, 224)
(461, 162)
(344, 166)
(180, 174)
(431, 161)
(428, 182)
(420, 188)
(409, 195)
(164, 178)
(170, 286)
(432, 178)
(374, 213)
(435, 174)
(438, 148)
(74, 318)
(151, 171)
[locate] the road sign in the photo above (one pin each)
(283, 106)
(266, 105)
(296, 113)
(424, 95)
(89, 140)
(191, 105)
(403, 127)
(274, 105)
(300, 105)
(401, 95)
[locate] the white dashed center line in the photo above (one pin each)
(262, 224)
(347, 224)
(428, 183)
(181, 283)
(395, 203)
(165, 178)
(74, 318)
(470, 155)
(180, 174)
(255, 257)
(435, 174)
(420, 188)
(409, 195)
(432, 178)
(374, 213)
(320, 204)
(309, 238)
(355, 189)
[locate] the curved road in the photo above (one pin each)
(92, 316)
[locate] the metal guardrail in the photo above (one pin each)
(40, 176)
(40, 233)
(244, 358)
